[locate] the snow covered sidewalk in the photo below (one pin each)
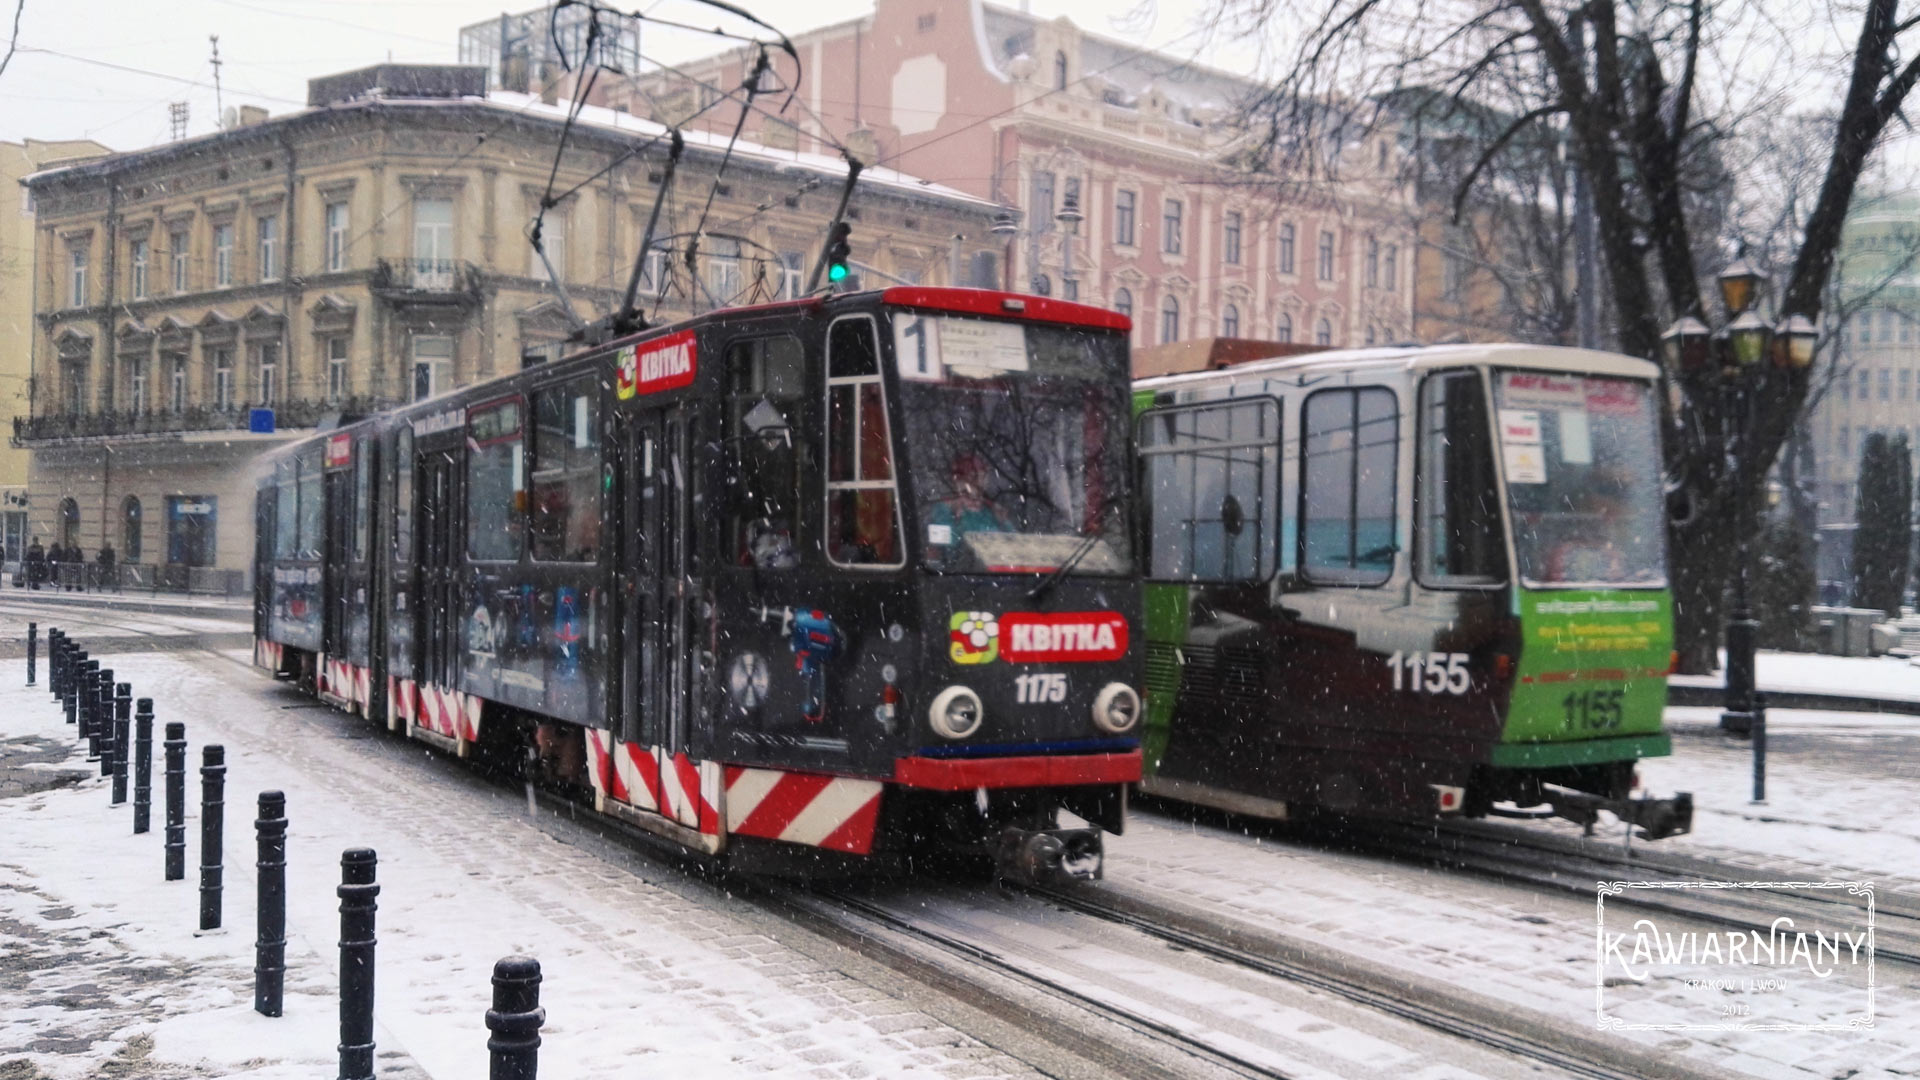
(1888, 677)
(646, 973)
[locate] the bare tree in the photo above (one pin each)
(1651, 97)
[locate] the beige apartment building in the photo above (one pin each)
(18, 160)
(201, 302)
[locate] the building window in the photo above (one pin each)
(1390, 274)
(553, 237)
(1886, 379)
(1059, 71)
(69, 523)
(77, 278)
(1286, 249)
(76, 388)
(137, 385)
(1369, 338)
(1373, 263)
(266, 368)
(336, 236)
(432, 356)
(433, 244)
(1123, 302)
(656, 271)
(1040, 206)
(130, 529)
(1169, 320)
(177, 384)
(1123, 203)
(222, 255)
(725, 280)
(1866, 328)
(137, 268)
(924, 24)
(1170, 226)
(1230, 247)
(178, 252)
(1453, 276)
(1283, 329)
(1326, 256)
(267, 231)
(793, 279)
(337, 368)
(1323, 333)
(1230, 321)
(1863, 384)
(223, 379)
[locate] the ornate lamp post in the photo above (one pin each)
(1744, 350)
(1069, 219)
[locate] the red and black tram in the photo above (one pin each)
(849, 574)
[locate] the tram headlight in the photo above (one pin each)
(1116, 708)
(955, 713)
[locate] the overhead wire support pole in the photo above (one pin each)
(839, 214)
(627, 306)
(752, 87)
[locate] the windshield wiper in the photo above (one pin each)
(1046, 584)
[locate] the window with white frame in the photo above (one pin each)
(432, 364)
(77, 277)
(1373, 263)
(1123, 207)
(553, 237)
(1170, 215)
(724, 277)
(137, 257)
(1230, 321)
(432, 243)
(177, 384)
(266, 230)
(792, 278)
(337, 222)
(1230, 245)
(1283, 328)
(266, 372)
(137, 385)
(1390, 272)
(1326, 256)
(1286, 249)
(337, 368)
(1169, 320)
(223, 378)
(1323, 333)
(1123, 302)
(222, 255)
(179, 253)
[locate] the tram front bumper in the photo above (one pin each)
(1657, 818)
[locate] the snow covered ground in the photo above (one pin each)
(1859, 676)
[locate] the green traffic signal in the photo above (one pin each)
(837, 272)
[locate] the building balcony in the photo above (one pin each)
(52, 429)
(427, 281)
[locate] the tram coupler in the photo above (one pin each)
(1657, 818)
(1049, 856)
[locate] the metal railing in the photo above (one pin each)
(136, 577)
(300, 413)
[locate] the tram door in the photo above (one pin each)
(435, 481)
(339, 526)
(656, 662)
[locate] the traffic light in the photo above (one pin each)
(838, 253)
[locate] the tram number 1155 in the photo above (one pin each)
(1431, 673)
(1592, 710)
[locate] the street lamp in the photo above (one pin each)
(1069, 219)
(1745, 349)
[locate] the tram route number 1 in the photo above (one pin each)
(1432, 673)
(1592, 710)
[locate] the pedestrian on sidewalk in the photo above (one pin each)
(36, 564)
(108, 572)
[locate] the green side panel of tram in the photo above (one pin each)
(1591, 684)
(1166, 609)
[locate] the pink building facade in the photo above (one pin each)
(1030, 112)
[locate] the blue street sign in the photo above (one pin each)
(260, 421)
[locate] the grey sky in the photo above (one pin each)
(271, 47)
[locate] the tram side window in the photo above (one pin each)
(766, 380)
(496, 483)
(403, 498)
(1456, 505)
(362, 499)
(1346, 527)
(863, 512)
(564, 523)
(313, 509)
(286, 508)
(1211, 489)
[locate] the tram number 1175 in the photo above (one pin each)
(1431, 673)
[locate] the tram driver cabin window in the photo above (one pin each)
(496, 482)
(1347, 477)
(863, 514)
(766, 382)
(1455, 501)
(1212, 490)
(564, 511)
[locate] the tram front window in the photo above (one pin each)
(1583, 478)
(1016, 444)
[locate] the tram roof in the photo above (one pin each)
(1422, 358)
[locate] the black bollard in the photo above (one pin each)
(103, 719)
(176, 842)
(56, 652)
(270, 921)
(33, 650)
(89, 693)
(68, 666)
(143, 765)
(357, 892)
(122, 714)
(213, 812)
(515, 1019)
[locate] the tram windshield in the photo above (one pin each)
(1016, 444)
(1583, 478)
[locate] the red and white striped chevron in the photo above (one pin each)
(267, 654)
(347, 682)
(448, 712)
(402, 701)
(647, 778)
(833, 812)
